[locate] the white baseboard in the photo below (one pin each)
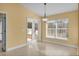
(16, 47)
(73, 46)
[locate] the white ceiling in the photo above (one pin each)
(52, 8)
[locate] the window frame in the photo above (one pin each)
(56, 33)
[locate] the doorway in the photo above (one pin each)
(2, 32)
(35, 35)
(32, 32)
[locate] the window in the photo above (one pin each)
(30, 25)
(57, 29)
(29, 28)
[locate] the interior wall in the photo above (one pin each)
(16, 23)
(72, 29)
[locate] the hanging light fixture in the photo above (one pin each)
(45, 18)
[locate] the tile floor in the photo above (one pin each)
(42, 49)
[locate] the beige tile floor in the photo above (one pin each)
(42, 49)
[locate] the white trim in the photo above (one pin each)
(3, 12)
(72, 46)
(31, 19)
(56, 29)
(16, 47)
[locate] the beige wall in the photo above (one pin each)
(72, 30)
(16, 23)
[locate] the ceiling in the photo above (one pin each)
(51, 8)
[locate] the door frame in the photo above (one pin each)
(28, 19)
(3, 12)
(34, 20)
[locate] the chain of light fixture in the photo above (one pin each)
(44, 10)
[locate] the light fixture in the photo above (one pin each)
(45, 18)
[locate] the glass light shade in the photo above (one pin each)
(45, 19)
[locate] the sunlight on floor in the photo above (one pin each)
(32, 43)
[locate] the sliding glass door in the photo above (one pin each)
(3, 31)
